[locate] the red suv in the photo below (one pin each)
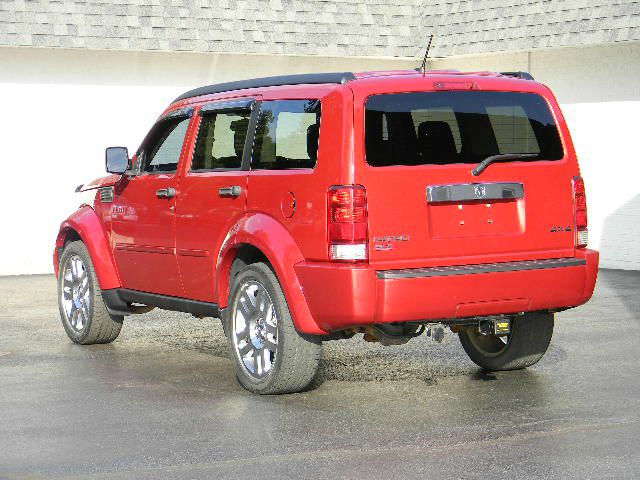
(311, 207)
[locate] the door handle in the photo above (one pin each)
(166, 192)
(230, 192)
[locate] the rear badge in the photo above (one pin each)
(385, 242)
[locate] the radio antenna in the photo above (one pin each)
(423, 67)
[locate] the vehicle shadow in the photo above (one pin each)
(484, 376)
(421, 360)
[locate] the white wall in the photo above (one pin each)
(598, 89)
(63, 107)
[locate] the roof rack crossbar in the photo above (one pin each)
(521, 75)
(305, 78)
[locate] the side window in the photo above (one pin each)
(161, 151)
(287, 135)
(221, 139)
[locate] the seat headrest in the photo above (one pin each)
(313, 134)
(435, 140)
(239, 128)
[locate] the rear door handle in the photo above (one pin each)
(230, 192)
(166, 192)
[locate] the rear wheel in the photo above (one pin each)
(84, 315)
(526, 343)
(270, 356)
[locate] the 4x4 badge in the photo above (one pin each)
(560, 229)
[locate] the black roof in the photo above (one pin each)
(304, 78)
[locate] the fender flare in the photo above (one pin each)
(86, 224)
(269, 236)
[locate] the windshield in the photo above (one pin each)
(441, 128)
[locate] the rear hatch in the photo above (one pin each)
(427, 208)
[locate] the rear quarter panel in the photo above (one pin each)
(273, 191)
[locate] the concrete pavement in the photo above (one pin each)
(162, 402)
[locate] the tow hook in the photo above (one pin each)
(498, 326)
(436, 332)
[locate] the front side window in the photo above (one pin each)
(442, 128)
(221, 139)
(287, 134)
(163, 146)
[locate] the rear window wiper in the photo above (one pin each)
(505, 157)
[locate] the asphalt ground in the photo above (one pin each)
(162, 402)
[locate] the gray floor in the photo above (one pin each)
(162, 402)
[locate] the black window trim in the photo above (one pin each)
(253, 105)
(179, 114)
(222, 106)
(174, 114)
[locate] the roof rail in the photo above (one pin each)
(521, 75)
(304, 78)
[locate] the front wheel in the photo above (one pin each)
(526, 343)
(270, 356)
(84, 315)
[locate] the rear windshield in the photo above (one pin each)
(441, 128)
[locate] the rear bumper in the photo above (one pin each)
(342, 296)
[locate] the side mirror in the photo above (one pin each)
(117, 159)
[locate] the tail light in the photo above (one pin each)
(580, 212)
(347, 223)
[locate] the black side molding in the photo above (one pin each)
(117, 301)
(115, 304)
(304, 78)
(481, 268)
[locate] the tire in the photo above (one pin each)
(526, 344)
(269, 355)
(236, 267)
(85, 318)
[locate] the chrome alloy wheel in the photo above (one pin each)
(75, 295)
(255, 333)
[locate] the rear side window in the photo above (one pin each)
(441, 128)
(162, 149)
(221, 139)
(287, 134)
